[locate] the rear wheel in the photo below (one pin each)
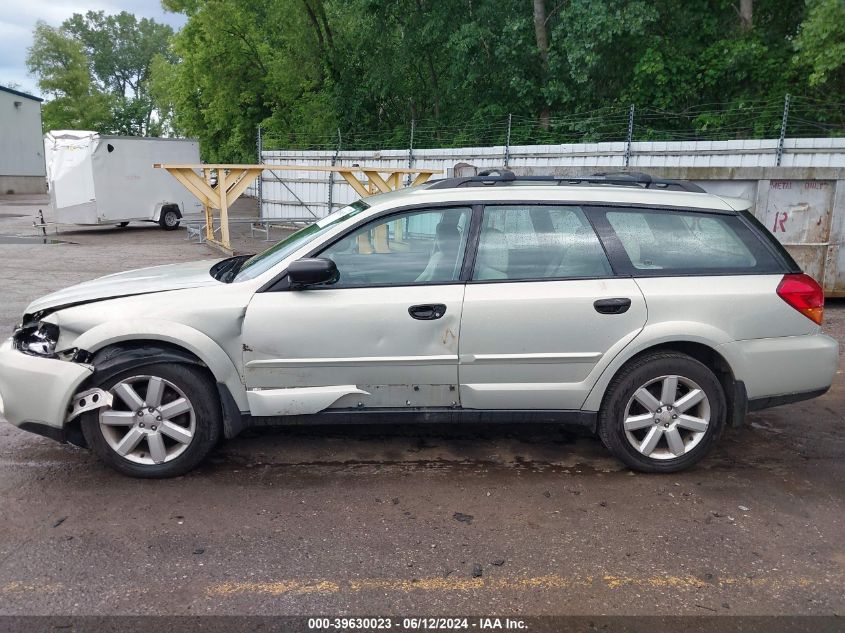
(163, 420)
(662, 413)
(169, 219)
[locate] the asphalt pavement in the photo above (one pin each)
(410, 520)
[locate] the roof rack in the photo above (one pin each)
(500, 177)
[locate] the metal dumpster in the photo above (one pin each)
(800, 213)
(804, 214)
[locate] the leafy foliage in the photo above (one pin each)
(312, 71)
(821, 43)
(96, 68)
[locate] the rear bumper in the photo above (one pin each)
(775, 401)
(36, 391)
(783, 369)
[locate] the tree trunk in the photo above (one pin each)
(321, 45)
(316, 25)
(435, 86)
(746, 14)
(321, 11)
(542, 36)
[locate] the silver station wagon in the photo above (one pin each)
(648, 311)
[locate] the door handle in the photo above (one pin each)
(617, 305)
(427, 311)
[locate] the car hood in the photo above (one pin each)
(132, 282)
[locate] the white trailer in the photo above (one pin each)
(97, 179)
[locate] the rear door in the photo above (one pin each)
(543, 313)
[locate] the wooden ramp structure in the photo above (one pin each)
(233, 180)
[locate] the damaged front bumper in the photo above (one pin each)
(36, 393)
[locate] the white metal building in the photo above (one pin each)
(21, 143)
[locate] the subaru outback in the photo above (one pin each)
(646, 311)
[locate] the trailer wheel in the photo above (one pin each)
(169, 219)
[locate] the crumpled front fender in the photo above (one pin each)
(178, 334)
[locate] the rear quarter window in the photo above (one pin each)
(657, 242)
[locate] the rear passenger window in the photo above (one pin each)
(689, 242)
(538, 242)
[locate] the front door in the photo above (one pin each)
(384, 335)
(543, 314)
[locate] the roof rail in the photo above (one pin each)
(499, 177)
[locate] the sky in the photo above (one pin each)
(17, 24)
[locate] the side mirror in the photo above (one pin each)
(311, 271)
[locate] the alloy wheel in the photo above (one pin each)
(667, 417)
(151, 420)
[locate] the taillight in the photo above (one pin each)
(804, 294)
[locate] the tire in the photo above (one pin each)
(122, 225)
(651, 419)
(169, 218)
(186, 436)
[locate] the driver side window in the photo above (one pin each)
(418, 247)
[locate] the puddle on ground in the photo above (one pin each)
(31, 239)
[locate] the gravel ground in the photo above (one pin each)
(402, 519)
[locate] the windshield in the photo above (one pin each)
(263, 262)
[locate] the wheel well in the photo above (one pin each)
(734, 393)
(142, 352)
(113, 359)
(170, 206)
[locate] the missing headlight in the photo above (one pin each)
(38, 339)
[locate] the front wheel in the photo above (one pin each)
(163, 421)
(662, 413)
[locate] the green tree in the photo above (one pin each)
(567, 70)
(64, 76)
(96, 69)
(121, 49)
(240, 65)
(821, 43)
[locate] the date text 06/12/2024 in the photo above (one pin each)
(416, 624)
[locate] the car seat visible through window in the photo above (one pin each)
(443, 261)
(493, 255)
